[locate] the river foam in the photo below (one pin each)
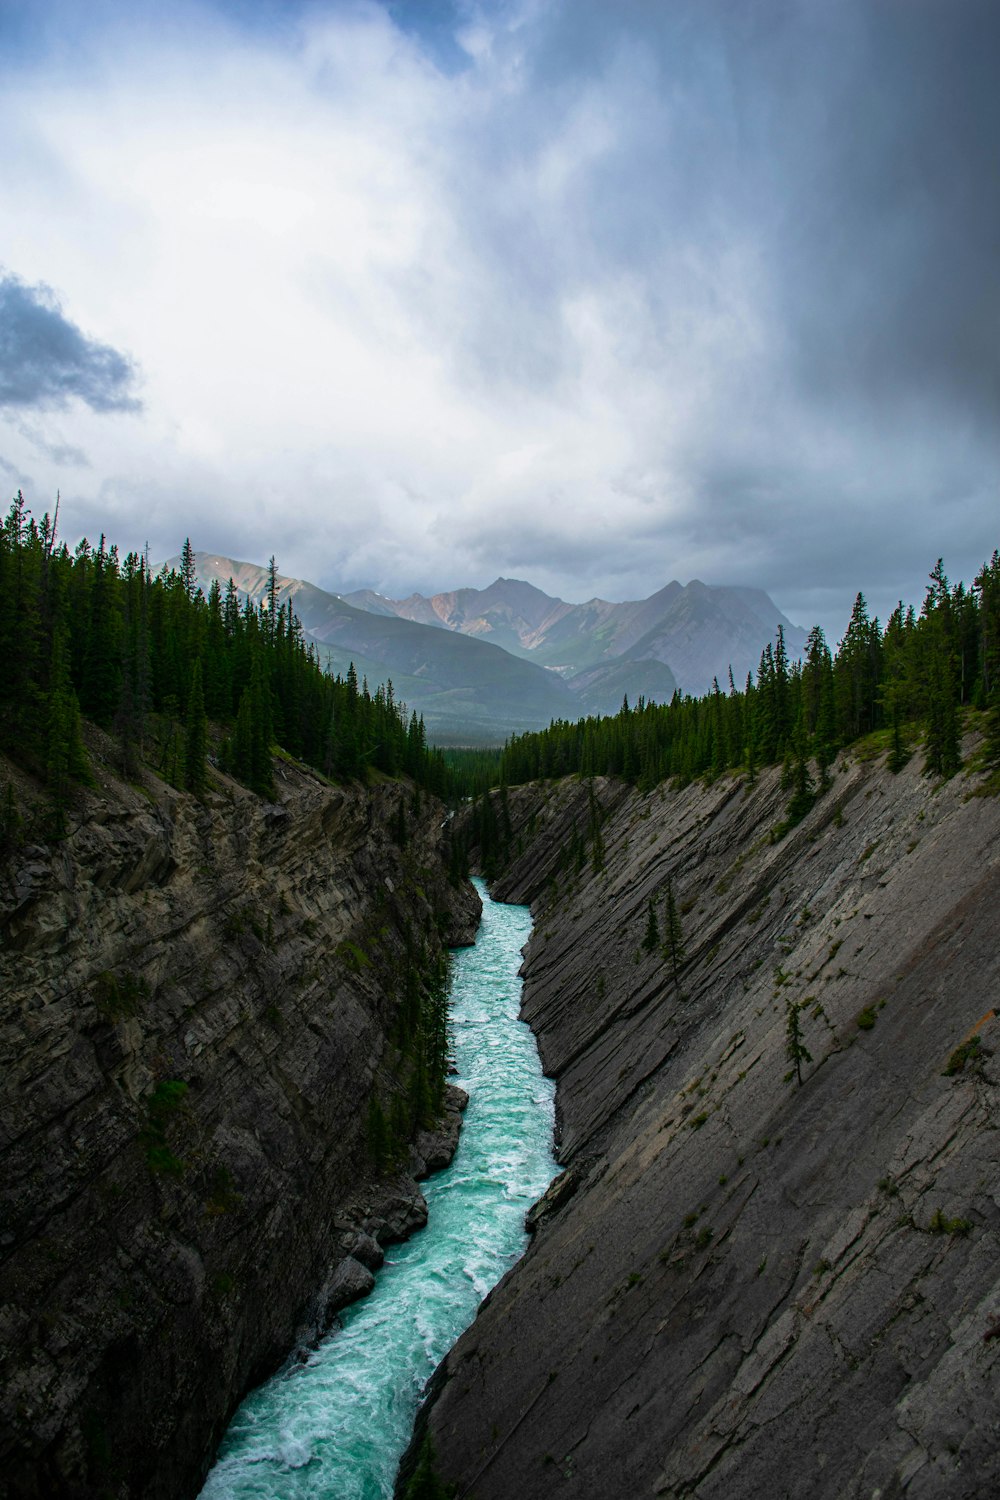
(334, 1427)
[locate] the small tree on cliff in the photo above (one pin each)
(673, 935)
(795, 1048)
(596, 840)
(652, 939)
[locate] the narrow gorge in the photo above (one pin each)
(336, 1423)
(205, 1009)
(741, 1286)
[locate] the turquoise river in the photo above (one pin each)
(335, 1426)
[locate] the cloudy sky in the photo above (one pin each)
(599, 294)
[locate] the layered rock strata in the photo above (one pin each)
(743, 1286)
(198, 1001)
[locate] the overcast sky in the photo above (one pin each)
(596, 294)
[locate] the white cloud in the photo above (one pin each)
(406, 327)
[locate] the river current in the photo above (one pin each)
(335, 1426)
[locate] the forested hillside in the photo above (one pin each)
(912, 677)
(154, 661)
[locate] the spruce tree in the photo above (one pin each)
(651, 940)
(196, 737)
(272, 598)
(898, 755)
(803, 791)
(991, 744)
(66, 759)
(673, 935)
(795, 1049)
(596, 838)
(189, 577)
(941, 744)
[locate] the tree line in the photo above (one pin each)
(911, 679)
(155, 662)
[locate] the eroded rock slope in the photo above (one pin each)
(196, 1005)
(744, 1287)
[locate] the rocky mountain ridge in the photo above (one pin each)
(467, 691)
(693, 632)
(201, 999)
(743, 1287)
(480, 664)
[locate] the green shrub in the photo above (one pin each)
(940, 1224)
(164, 1104)
(969, 1052)
(353, 957)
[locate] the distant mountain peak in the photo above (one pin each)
(481, 663)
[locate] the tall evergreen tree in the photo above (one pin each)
(189, 571)
(196, 737)
(673, 935)
(651, 941)
(795, 1048)
(66, 759)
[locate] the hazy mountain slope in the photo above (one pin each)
(510, 612)
(696, 630)
(480, 664)
(705, 631)
(602, 688)
(464, 688)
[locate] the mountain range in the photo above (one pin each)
(480, 664)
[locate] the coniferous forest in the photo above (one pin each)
(173, 676)
(178, 678)
(904, 689)
(909, 681)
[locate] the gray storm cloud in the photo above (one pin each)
(802, 200)
(597, 294)
(45, 359)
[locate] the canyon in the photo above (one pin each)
(741, 1286)
(201, 1000)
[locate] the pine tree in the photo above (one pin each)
(652, 939)
(803, 791)
(66, 759)
(991, 727)
(272, 598)
(189, 575)
(941, 744)
(673, 935)
(898, 755)
(596, 837)
(196, 737)
(102, 669)
(795, 1049)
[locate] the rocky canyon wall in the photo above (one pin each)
(196, 1001)
(742, 1286)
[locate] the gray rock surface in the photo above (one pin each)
(350, 1281)
(368, 1251)
(197, 1005)
(756, 1289)
(436, 1147)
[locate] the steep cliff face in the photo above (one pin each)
(197, 1005)
(743, 1287)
